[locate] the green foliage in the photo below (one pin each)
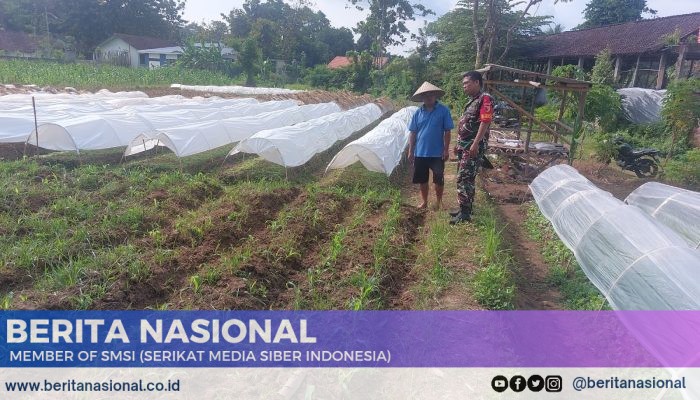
(493, 287)
(569, 71)
(564, 271)
(603, 69)
(386, 23)
(86, 76)
(681, 110)
(685, 170)
(207, 58)
(547, 113)
(604, 106)
(294, 33)
(608, 12)
(604, 147)
(91, 22)
(361, 66)
(493, 284)
(250, 59)
(323, 77)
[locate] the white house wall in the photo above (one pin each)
(117, 44)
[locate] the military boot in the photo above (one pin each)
(464, 215)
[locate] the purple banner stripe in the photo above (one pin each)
(353, 339)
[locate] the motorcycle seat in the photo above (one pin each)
(644, 152)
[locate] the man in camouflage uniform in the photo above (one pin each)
(473, 138)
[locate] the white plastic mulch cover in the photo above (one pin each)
(642, 106)
(195, 138)
(677, 208)
(636, 262)
(381, 148)
(242, 90)
(295, 145)
(17, 113)
(102, 123)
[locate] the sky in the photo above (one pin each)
(568, 14)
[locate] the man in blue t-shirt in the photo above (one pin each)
(429, 143)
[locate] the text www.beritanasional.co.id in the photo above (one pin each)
(72, 385)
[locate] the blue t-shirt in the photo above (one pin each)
(430, 127)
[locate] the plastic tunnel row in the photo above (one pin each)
(186, 140)
(677, 208)
(380, 150)
(17, 117)
(279, 131)
(293, 146)
(635, 260)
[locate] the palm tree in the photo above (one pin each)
(552, 29)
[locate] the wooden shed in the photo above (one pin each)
(642, 50)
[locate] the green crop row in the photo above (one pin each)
(89, 76)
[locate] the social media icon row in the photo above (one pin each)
(535, 383)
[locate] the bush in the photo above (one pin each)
(685, 170)
(603, 106)
(603, 147)
(681, 110)
(321, 76)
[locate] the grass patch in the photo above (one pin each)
(368, 282)
(493, 284)
(564, 271)
(440, 245)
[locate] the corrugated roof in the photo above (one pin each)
(646, 36)
(18, 42)
(144, 42)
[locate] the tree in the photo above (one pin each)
(554, 29)
(250, 59)
(285, 31)
(91, 21)
(603, 70)
(608, 12)
(488, 20)
(386, 22)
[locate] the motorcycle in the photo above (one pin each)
(643, 162)
(505, 116)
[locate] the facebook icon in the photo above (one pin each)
(517, 383)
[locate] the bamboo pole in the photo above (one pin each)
(36, 128)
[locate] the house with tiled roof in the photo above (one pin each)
(342, 62)
(642, 50)
(123, 49)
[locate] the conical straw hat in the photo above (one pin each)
(426, 87)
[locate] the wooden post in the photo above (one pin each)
(36, 127)
(681, 60)
(634, 74)
(580, 63)
(660, 78)
(577, 127)
(690, 70)
(618, 65)
(529, 129)
(562, 107)
(549, 66)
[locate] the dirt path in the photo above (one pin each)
(534, 292)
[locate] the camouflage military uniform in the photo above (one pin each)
(478, 109)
